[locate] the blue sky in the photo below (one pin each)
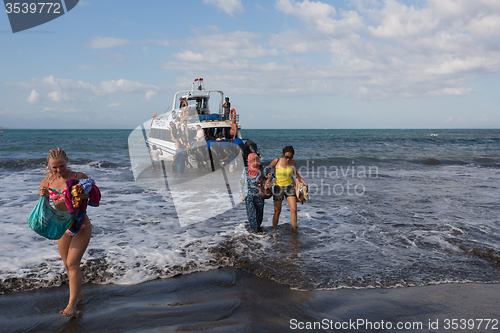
(283, 63)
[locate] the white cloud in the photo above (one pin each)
(458, 91)
(65, 90)
(109, 42)
(227, 6)
(58, 109)
(34, 97)
(398, 20)
(387, 48)
(297, 42)
(150, 94)
(114, 105)
(485, 26)
(374, 50)
(217, 48)
(106, 42)
(122, 85)
(321, 16)
(189, 56)
(58, 96)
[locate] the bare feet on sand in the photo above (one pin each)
(71, 309)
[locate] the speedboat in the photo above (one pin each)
(201, 109)
(209, 186)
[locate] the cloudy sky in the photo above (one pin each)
(283, 63)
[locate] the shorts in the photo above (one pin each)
(180, 168)
(280, 192)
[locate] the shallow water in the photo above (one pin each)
(372, 221)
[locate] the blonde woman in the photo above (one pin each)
(71, 246)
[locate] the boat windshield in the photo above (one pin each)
(214, 132)
(204, 102)
(199, 103)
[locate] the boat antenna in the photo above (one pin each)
(192, 77)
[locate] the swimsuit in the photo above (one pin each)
(71, 234)
(59, 195)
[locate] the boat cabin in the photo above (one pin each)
(199, 107)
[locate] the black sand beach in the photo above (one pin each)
(426, 222)
(228, 300)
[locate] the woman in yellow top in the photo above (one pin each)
(285, 169)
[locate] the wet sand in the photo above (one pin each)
(229, 300)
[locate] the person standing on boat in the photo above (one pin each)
(285, 168)
(200, 134)
(178, 124)
(183, 105)
(71, 245)
(184, 133)
(226, 107)
(234, 129)
(250, 192)
(174, 134)
(171, 118)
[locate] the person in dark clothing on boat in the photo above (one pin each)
(174, 134)
(226, 107)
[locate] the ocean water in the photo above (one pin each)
(388, 208)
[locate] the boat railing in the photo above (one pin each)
(213, 117)
(207, 118)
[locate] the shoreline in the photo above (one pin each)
(228, 299)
